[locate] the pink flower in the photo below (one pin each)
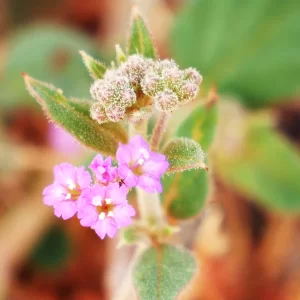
(103, 169)
(105, 209)
(67, 189)
(138, 166)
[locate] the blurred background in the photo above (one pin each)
(247, 238)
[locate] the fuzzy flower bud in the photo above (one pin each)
(151, 83)
(166, 100)
(193, 76)
(98, 113)
(115, 94)
(114, 90)
(134, 68)
(169, 85)
(115, 112)
(188, 92)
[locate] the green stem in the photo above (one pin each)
(158, 131)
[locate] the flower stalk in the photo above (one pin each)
(159, 131)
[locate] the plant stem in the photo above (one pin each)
(158, 131)
(150, 208)
(151, 213)
(126, 289)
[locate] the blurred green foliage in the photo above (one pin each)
(266, 167)
(247, 48)
(49, 53)
(53, 250)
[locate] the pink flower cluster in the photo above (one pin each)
(102, 205)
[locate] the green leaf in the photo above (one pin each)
(120, 55)
(140, 40)
(183, 154)
(249, 49)
(49, 53)
(96, 68)
(52, 251)
(265, 167)
(184, 193)
(163, 272)
(200, 125)
(74, 116)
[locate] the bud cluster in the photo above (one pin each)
(122, 91)
(169, 86)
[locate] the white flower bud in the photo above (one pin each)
(115, 112)
(166, 100)
(151, 83)
(193, 76)
(98, 113)
(134, 68)
(188, 92)
(114, 91)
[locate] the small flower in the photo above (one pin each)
(67, 189)
(106, 209)
(138, 166)
(104, 171)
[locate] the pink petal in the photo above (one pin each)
(150, 184)
(128, 176)
(65, 209)
(83, 178)
(123, 214)
(63, 173)
(103, 227)
(53, 194)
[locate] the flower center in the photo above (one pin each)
(104, 207)
(74, 190)
(137, 168)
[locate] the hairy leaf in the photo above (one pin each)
(162, 272)
(184, 154)
(95, 67)
(140, 40)
(74, 117)
(184, 193)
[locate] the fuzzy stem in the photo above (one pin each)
(158, 131)
(150, 208)
(126, 289)
(140, 129)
